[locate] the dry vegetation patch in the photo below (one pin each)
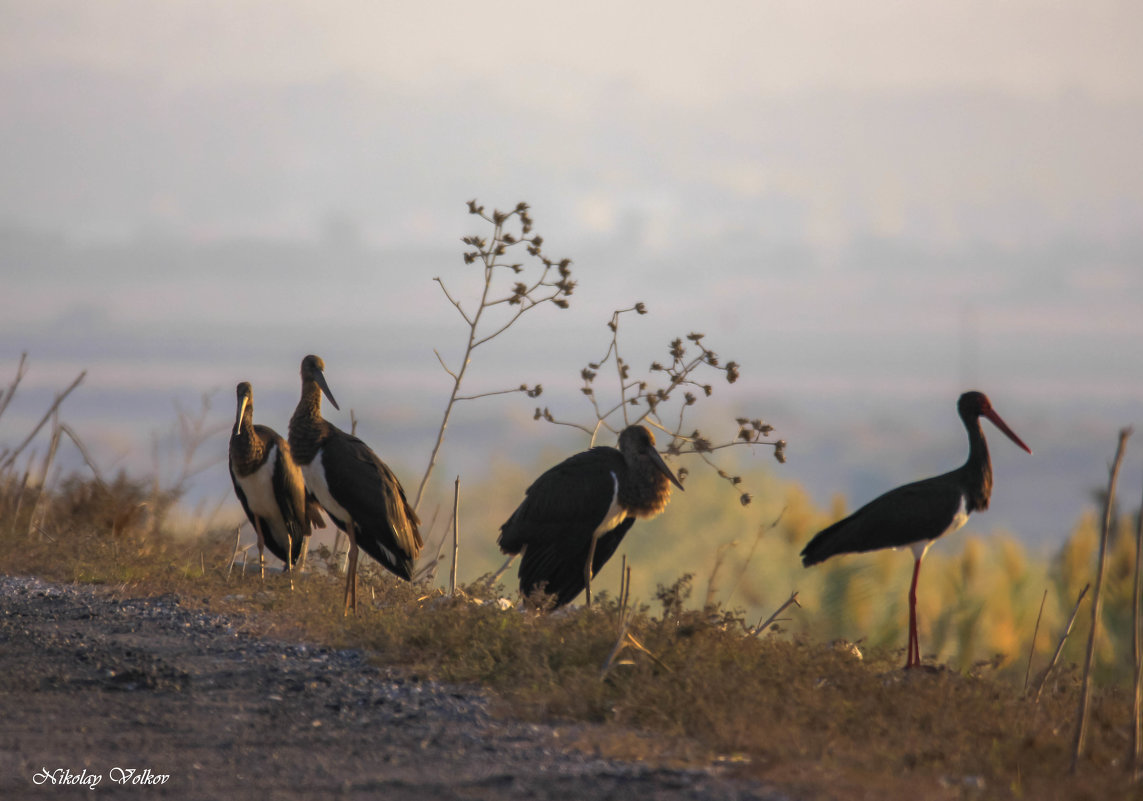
(810, 716)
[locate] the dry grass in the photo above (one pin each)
(791, 710)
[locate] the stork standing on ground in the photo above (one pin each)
(269, 486)
(917, 514)
(358, 491)
(574, 516)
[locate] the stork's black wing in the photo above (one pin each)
(553, 525)
(387, 527)
(290, 495)
(241, 495)
(911, 513)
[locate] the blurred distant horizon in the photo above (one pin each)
(871, 209)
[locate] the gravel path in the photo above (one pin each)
(93, 687)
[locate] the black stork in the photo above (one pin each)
(269, 486)
(574, 516)
(917, 514)
(358, 491)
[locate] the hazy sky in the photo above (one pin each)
(867, 203)
(683, 53)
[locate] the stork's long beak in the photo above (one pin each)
(996, 421)
(320, 376)
(659, 463)
(241, 412)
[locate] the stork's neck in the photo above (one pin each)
(644, 491)
(977, 471)
(307, 425)
(246, 451)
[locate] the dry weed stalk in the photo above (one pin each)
(35, 518)
(499, 574)
(6, 396)
(455, 535)
(511, 231)
(1136, 760)
(638, 400)
(427, 570)
(626, 639)
(750, 554)
(720, 553)
(233, 556)
(1060, 646)
(9, 457)
(1097, 602)
(764, 625)
(190, 433)
(1032, 647)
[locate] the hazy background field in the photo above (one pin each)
(870, 206)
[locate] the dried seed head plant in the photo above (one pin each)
(665, 406)
(517, 286)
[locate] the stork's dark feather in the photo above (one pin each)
(387, 527)
(598, 493)
(923, 510)
(918, 513)
(279, 510)
(564, 502)
(575, 493)
(357, 490)
(892, 520)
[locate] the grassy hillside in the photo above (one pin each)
(979, 596)
(790, 706)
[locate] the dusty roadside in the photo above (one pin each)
(94, 687)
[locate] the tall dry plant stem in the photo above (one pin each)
(6, 396)
(1060, 646)
(1032, 647)
(626, 638)
(1097, 602)
(455, 535)
(38, 510)
(1137, 650)
(750, 554)
(765, 624)
(11, 456)
(511, 231)
(499, 574)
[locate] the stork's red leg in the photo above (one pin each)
(914, 658)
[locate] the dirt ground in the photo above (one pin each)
(152, 699)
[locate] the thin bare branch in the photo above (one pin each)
(765, 624)
(503, 569)
(1137, 649)
(21, 369)
(452, 300)
(65, 428)
(1060, 647)
(1097, 602)
(47, 416)
(1032, 647)
(494, 392)
(489, 254)
(455, 535)
(445, 366)
(750, 554)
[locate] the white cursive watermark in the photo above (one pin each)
(116, 775)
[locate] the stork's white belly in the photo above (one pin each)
(921, 547)
(258, 487)
(960, 518)
(315, 483)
